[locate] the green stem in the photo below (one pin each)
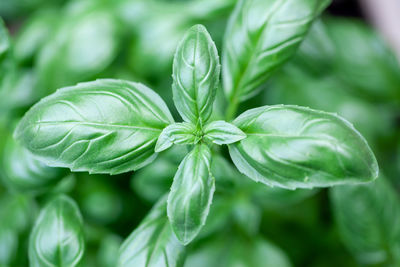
(232, 109)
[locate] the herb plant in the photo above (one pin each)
(221, 162)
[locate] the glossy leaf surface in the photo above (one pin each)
(223, 133)
(57, 237)
(196, 72)
(105, 126)
(296, 147)
(191, 194)
(261, 36)
(153, 243)
(177, 133)
(368, 217)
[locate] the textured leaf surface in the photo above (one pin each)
(368, 217)
(105, 126)
(261, 36)
(57, 237)
(153, 243)
(196, 72)
(177, 133)
(222, 133)
(22, 171)
(296, 147)
(191, 194)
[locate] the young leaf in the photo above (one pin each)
(261, 36)
(191, 194)
(177, 133)
(152, 244)
(105, 126)
(297, 147)
(196, 72)
(368, 218)
(223, 133)
(57, 237)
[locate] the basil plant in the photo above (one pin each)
(111, 126)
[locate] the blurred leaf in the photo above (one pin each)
(107, 255)
(296, 147)
(4, 39)
(153, 243)
(105, 126)
(57, 237)
(233, 251)
(368, 217)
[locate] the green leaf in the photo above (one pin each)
(8, 245)
(105, 126)
(261, 36)
(196, 72)
(177, 133)
(191, 194)
(233, 250)
(107, 255)
(57, 237)
(368, 218)
(4, 39)
(153, 243)
(21, 171)
(223, 133)
(297, 147)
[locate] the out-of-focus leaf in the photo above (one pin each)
(57, 237)
(155, 180)
(105, 126)
(8, 245)
(223, 133)
(98, 199)
(368, 217)
(297, 147)
(23, 172)
(153, 243)
(363, 60)
(34, 34)
(83, 44)
(191, 194)
(233, 251)
(107, 255)
(261, 36)
(196, 72)
(4, 39)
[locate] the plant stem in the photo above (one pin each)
(232, 109)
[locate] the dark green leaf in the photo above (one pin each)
(4, 39)
(368, 217)
(57, 237)
(177, 133)
(196, 72)
(261, 36)
(223, 133)
(105, 126)
(153, 243)
(297, 147)
(191, 194)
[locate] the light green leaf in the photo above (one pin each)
(233, 251)
(368, 217)
(223, 133)
(191, 194)
(261, 36)
(21, 171)
(107, 255)
(57, 237)
(196, 72)
(153, 243)
(297, 147)
(177, 133)
(105, 126)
